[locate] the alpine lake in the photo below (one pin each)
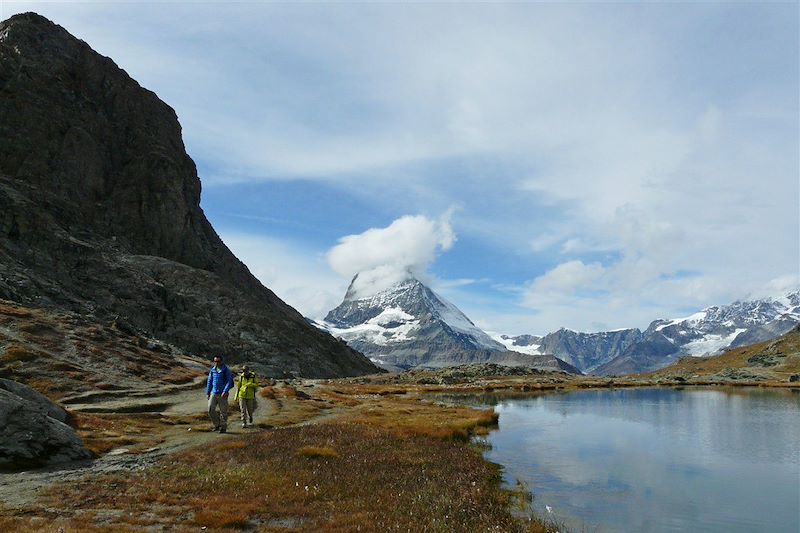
(653, 459)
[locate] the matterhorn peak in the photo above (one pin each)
(400, 322)
(371, 282)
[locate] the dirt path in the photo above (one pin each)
(20, 490)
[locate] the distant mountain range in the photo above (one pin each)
(629, 351)
(409, 325)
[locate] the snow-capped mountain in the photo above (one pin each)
(716, 328)
(585, 351)
(707, 332)
(408, 325)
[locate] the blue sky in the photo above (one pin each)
(586, 165)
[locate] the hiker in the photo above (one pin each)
(246, 394)
(220, 381)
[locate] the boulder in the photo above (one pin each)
(31, 437)
(26, 393)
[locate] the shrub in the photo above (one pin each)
(316, 451)
(36, 328)
(214, 518)
(15, 352)
(234, 445)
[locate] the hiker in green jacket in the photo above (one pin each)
(246, 387)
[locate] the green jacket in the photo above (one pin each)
(246, 386)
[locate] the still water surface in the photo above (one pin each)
(656, 459)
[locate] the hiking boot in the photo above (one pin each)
(244, 425)
(223, 430)
(216, 428)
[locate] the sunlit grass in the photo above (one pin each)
(316, 451)
(332, 477)
(103, 433)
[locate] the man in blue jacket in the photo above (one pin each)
(220, 381)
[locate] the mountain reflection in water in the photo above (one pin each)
(656, 459)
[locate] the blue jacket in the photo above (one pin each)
(219, 382)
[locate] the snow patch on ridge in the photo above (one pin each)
(391, 326)
(510, 344)
(711, 344)
(691, 319)
(390, 315)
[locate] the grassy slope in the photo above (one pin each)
(776, 359)
(390, 461)
(60, 354)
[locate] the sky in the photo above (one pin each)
(586, 165)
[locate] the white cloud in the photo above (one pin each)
(659, 268)
(376, 279)
(778, 286)
(382, 255)
(566, 278)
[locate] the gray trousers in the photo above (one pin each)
(247, 407)
(218, 401)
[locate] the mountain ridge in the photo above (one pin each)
(408, 325)
(707, 332)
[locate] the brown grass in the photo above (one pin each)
(220, 518)
(316, 452)
(379, 480)
(37, 328)
(75, 354)
(233, 445)
(15, 352)
(49, 388)
(180, 375)
(103, 433)
(409, 416)
(286, 392)
(292, 411)
(13, 311)
(391, 461)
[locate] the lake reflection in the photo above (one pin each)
(657, 459)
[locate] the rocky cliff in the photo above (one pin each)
(100, 213)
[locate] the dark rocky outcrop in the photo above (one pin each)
(28, 394)
(34, 433)
(100, 214)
